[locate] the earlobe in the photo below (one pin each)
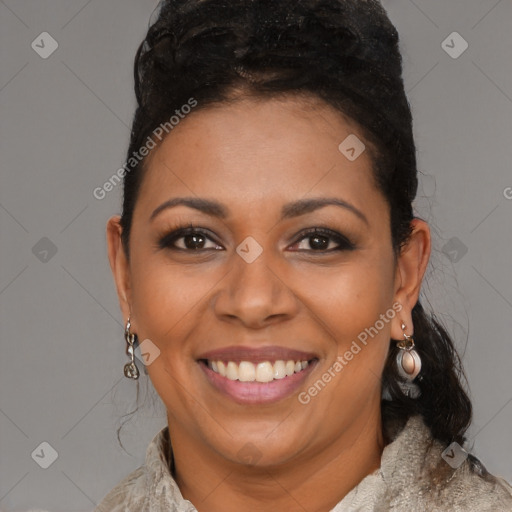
(119, 263)
(411, 266)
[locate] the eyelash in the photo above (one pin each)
(167, 241)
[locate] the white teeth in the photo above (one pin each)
(264, 372)
(222, 368)
(290, 368)
(246, 372)
(261, 372)
(279, 370)
(232, 371)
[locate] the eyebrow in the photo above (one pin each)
(290, 210)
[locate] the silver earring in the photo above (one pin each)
(130, 369)
(408, 363)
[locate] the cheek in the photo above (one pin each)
(348, 298)
(170, 307)
(353, 308)
(165, 294)
(167, 308)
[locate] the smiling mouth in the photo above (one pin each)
(257, 375)
(262, 372)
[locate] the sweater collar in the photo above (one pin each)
(406, 451)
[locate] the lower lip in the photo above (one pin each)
(257, 392)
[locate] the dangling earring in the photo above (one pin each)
(408, 363)
(130, 369)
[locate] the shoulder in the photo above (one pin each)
(134, 491)
(151, 487)
(422, 472)
(468, 486)
(129, 494)
(471, 487)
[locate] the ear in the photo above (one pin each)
(411, 265)
(119, 264)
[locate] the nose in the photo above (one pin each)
(256, 294)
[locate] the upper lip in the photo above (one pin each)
(238, 354)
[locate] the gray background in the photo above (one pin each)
(64, 130)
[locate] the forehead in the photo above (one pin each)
(260, 152)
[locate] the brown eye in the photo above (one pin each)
(193, 241)
(322, 240)
(188, 239)
(319, 242)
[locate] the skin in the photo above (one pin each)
(254, 156)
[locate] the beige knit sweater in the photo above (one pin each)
(413, 477)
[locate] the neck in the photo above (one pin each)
(314, 483)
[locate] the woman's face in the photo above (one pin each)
(250, 284)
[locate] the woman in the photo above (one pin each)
(268, 266)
